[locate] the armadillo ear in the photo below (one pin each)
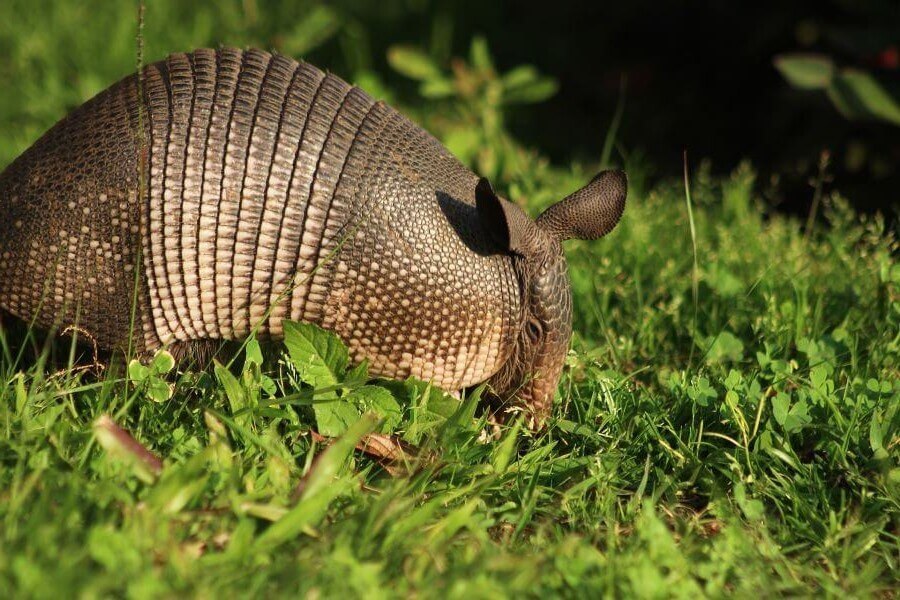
(591, 212)
(504, 221)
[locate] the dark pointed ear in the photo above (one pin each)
(506, 223)
(591, 212)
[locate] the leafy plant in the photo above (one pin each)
(477, 96)
(151, 378)
(855, 93)
(321, 360)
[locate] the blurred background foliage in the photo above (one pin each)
(632, 82)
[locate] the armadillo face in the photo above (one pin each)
(530, 375)
(532, 372)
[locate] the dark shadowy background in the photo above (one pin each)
(696, 75)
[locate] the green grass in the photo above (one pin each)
(727, 422)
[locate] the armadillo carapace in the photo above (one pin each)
(222, 192)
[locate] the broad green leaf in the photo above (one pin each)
(893, 477)
(316, 28)
(859, 95)
(318, 355)
(780, 405)
(480, 55)
(237, 399)
(162, 362)
(436, 400)
(357, 375)
(413, 63)
(876, 433)
(137, 372)
(437, 88)
(702, 392)
(380, 401)
(429, 407)
(818, 375)
(806, 71)
(536, 91)
(464, 143)
(268, 385)
(797, 417)
(253, 352)
(733, 380)
(879, 387)
(463, 418)
(791, 416)
(731, 399)
(726, 347)
(321, 358)
(159, 390)
(335, 417)
(753, 509)
(520, 76)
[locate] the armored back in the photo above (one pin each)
(221, 192)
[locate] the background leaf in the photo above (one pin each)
(413, 63)
(318, 26)
(806, 71)
(725, 347)
(859, 95)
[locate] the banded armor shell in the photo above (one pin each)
(218, 193)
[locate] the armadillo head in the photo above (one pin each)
(529, 377)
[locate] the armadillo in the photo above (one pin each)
(220, 193)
